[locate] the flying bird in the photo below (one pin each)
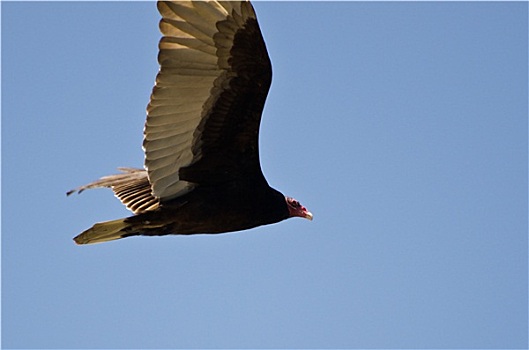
(202, 172)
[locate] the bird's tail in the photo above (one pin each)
(104, 232)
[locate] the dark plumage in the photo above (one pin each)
(201, 135)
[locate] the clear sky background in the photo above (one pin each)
(401, 126)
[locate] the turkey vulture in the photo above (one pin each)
(202, 171)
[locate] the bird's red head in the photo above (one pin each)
(296, 209)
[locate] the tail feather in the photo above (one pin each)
(103, 232)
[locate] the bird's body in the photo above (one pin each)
(202, 172)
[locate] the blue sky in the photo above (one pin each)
(401, 126)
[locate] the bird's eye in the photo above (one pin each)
(295, 204)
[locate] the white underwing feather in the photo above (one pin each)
(194, 69)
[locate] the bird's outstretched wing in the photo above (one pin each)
(205, 109)
(131, 187)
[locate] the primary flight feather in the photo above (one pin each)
(202, 172)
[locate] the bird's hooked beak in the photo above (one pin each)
(296, 209)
